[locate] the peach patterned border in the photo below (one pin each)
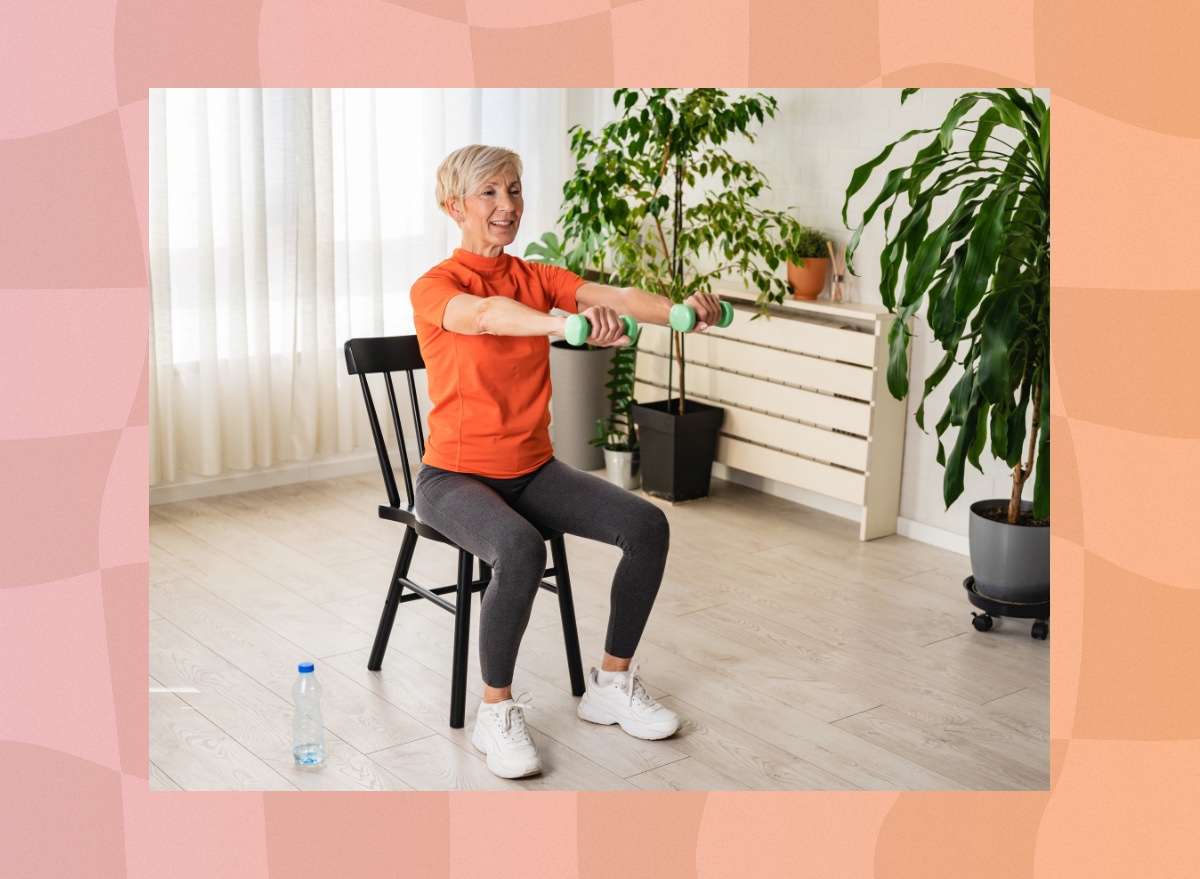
(73, 438)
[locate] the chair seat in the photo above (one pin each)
(405, 515)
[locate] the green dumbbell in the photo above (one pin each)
(578, 329)
(683, 317)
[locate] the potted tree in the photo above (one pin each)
(616, 434)
(658, 203)
(808, 264)
(577, 376)
(985, 275)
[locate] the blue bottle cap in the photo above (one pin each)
(305, 667)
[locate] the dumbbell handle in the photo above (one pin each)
(683, 317)
(578, 328)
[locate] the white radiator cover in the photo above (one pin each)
(805, 398)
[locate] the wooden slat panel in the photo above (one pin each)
(885, 452)
(812, 442)
(821, 478)
(805, 337)
(794, 369)
(849, 415)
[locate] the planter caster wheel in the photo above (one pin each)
(1040, 630)
(982, 621)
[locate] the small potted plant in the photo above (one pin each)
(808, 265)
(617, 434)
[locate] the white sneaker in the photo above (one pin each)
(626, 702)
(500, 733)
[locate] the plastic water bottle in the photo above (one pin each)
(308, 730)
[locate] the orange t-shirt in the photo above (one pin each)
(491, 394)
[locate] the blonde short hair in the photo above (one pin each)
(466, 168)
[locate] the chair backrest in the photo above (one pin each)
(386, 355)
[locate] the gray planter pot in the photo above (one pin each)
(621, 468)
(1009, 562)
(578, 376)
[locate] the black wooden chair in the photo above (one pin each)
(402, 354)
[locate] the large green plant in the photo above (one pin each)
(656, 191)
(985, 272)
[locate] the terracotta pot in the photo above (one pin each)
(808, 281)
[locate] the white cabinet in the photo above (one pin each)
(805, 398)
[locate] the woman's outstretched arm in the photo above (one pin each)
(648, 308)
(501, 316)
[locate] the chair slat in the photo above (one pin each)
(391, 390)
(385, 464)
(388, 354)
(412, 395)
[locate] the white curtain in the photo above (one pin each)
(285, 221)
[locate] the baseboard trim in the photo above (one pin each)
(914, 530)
(270, 477)
(934, 536)
(803, 496)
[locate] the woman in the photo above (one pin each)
(482, 318)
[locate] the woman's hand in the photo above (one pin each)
(607, 327)
(708, 310)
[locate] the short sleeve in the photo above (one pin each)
(560, 285)
(429, 296)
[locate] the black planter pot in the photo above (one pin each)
(677, 450)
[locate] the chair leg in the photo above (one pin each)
(485, 574)
(462, 641)
(566, 608)
(403, 560)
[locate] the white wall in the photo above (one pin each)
(808, 154)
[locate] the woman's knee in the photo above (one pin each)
(648, 528)
(522, 556)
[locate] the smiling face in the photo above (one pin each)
(491, 214)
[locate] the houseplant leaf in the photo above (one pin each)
(985, 241)
(983, 130)
(980, 437)
(1016, 427)
(952, 483)
(960, 109)
(997, 338)
(863, 172)
(897, 369)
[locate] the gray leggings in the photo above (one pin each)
(490, 518)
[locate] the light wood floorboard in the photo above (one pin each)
(197, 755)
(159, 780)
(253, 716)
(798, 657)
(685, 774)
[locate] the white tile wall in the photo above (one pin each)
(808, 154)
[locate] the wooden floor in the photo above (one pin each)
(798, 657)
